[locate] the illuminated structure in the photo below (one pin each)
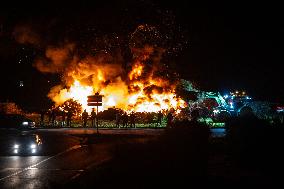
(211, 105)
(237, 100)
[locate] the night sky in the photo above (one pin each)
(219, 46)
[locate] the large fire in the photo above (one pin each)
(139, 95)
(140, 83)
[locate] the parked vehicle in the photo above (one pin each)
(16, 121)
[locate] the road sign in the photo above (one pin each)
(95, 98)
(95, 104)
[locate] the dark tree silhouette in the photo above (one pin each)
(72, 106)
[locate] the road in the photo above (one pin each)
(65, 154)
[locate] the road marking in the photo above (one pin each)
(90, 166)
(34, 165)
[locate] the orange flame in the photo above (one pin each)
(137, 94)
(136, 71)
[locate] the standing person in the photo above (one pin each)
(49, 113)
(85, 118)
(160, 117)
(42, 118)
(53, 116)
(93, 117)
(69, 118)
(117, 119)
(169, 120)
(124, 119)
(63, 118)
(132, 119)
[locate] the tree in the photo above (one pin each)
(73, 106)
(186, 90)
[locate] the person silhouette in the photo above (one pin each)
(93, 117)
(63, 118)
(170, 120)
(42, 113)
(85, 118)
(160, 116)
(124, 120)
(117, 119)
(53, 117)
(132, 119)
(69, 117)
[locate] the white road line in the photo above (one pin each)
(34, 165)
(90, 166)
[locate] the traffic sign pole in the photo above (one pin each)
(97, 120)
(95, 100)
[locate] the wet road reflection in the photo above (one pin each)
(218, 132)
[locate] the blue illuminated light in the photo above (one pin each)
(226, 96)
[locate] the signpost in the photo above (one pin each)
(95, 100)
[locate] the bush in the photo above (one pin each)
(255, 143)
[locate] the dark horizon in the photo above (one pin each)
(228, 46)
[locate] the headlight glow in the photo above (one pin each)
(16, 146)
(25, 123)
(15, 151)
(33, 150)
(33, 146)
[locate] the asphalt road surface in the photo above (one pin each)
(63, 155)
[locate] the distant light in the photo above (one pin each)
(33, 146)
(231, 105)
(226, 96)
(25, 123)
(15, 151)
(21, 83)
(216, 111)
(33, 150)
(16, 146)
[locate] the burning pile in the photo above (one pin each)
(137, 95)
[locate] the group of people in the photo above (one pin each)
(66, 117)
(122, 119)
(92, 117)
(132, 118)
